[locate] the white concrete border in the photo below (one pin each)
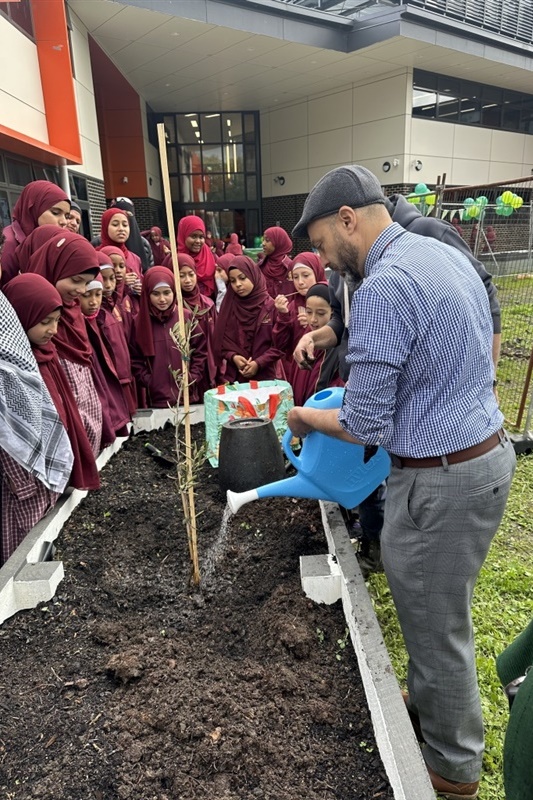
(26, 580)
(395, 738)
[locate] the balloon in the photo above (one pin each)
(517, 202)
(430, 199)
(499, 201)
(421, 188)
(413, 198)
(473, 211)
(500, 210)
(507, 197)
(507, 211)
(469, 202)
(482, 201)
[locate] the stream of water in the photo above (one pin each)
(217, 548)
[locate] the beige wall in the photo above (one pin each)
(21, 97)
(85, 102)
(468, 155)
(371, 123)
(363, 124)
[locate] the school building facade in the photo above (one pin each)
(259, 99)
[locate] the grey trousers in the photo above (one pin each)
(438, 527)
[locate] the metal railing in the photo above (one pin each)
(512, 19)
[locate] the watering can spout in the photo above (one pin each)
(297, 486)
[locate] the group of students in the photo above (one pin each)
(98, 324)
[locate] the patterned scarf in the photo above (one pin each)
(30, 429)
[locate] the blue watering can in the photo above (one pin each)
(328, 468)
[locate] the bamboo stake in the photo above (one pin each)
(188, 496)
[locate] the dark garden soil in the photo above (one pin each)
(131, 684)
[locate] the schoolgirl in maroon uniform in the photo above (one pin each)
(154, 353)
(114, 233)
(275, 263)
(111, 322)
(306, 270)
(69, 262)
(24, 498)
(324, 371)
(191, 240)
(244, 327)
(115, 411)
(40, 203)
(205, 315)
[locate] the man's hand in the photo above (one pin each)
(295, 422)
(304, 354)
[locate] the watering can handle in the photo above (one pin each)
(286, 442)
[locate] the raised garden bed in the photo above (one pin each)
(129, 684)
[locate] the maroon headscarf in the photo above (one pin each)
(312, 261)
(277, 264)
(157, 248)
(219, 248)
(205, 260)
(36, 198)
(143, 326)
(224, 261)
(194, 298)
(34, 298)
(234, 247)
(106, 241)
(34, 241)
(62, 257)
(239, 317)
(104, 260)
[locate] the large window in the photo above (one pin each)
(20, 15)
(214, 156)
(454, 100)
(215, 168)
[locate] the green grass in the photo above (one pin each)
(516, 299)
(502, 609)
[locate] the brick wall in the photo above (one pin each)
(286, 210)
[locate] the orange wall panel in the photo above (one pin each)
(51, 37)
(120, 127)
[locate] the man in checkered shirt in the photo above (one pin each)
(421, 386)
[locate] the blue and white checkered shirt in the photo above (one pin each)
(420, 350)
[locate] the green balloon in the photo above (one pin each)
(500, 210)
(482, 201)
(421, 188)
(469, 202)
(499, 201)
(507, 211)
(473, 211)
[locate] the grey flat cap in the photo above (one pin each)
(351, 185)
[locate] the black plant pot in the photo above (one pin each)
(249, 456)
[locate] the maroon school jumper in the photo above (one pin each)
(110, 321)
(245, 325)
(154, 372)
(115, 415)
(154, 352)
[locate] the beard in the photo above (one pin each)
(347, 263)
